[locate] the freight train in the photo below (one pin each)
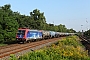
(27, 35)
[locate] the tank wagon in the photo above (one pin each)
(52, 34)
(45, 34)
(26, 35)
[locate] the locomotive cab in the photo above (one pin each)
(20, 36)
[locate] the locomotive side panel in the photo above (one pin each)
(32, 35)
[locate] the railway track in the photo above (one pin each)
(86, 42)
(6, 51)
(8, 46)
(84, 39)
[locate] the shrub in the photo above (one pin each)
(66, 49)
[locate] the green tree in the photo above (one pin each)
(87, 33)
(39, 20)
(8, 24)
(10, 21)
(62, 28)
(71, 30)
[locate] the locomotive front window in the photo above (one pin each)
(21, 32)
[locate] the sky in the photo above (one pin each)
(71, 13)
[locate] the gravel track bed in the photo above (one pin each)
(32, 48)
(8, 46)
(86, 42)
